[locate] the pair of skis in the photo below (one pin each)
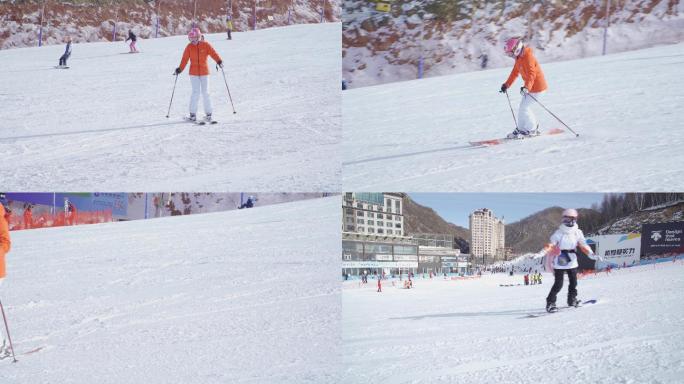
(502, 140)
(200, 122)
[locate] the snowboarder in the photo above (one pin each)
(197, 52)
(67, 53)
(528, 67)
(5, 349)
(249, 203)
(133, 39)
(561, 257)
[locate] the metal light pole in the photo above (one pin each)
(323, 12)
(194, 14)
(605, 31)
(156, 29)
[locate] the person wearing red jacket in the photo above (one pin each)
(5, 245)
(197, 52)
(527, 66)
(28, 217)
(379, 284)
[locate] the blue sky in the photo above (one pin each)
(455, 207)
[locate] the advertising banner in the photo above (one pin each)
(379, 264)
(618, 250)
(662, 238)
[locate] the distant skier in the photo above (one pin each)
(28, 217)
(249, 203)
(5, 244)
(197, 52)
(528, 67)
(561, 257)
(67, 52)
(527, 279)
(379, 284)
(133, 39)
(229, 27)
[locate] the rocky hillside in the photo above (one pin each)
(460, 35)
(421, 219)
(95, 20)
(633, 222)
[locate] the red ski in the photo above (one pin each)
(554, 131)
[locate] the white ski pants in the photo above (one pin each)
(200, 84)
(526, 119)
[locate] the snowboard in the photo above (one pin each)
(502, 140)
(61, 67)
(559, 309)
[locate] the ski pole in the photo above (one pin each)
(14, 358)
(172, 92)
(547, 110)
(513, 113)
(229, 96)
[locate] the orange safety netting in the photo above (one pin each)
(46, 219)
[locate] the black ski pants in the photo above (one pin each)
(558, 275)
(63, 59)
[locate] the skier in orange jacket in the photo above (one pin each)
(4, 240)
(528, 67)
(197, 51)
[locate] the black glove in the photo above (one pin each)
(523, 91)
(503, 88)
(177, 71)
(220, 63)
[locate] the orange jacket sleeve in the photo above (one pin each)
(186, 57)
(528, 62)
(213, 54)
(513, 75)
(4, 232)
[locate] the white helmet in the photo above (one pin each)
(570, 212)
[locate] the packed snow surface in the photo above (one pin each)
(414, 136)
(476, 331)
(246, 296)
(101, 125)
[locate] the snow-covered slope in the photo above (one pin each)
(454, 36)
(413, 136)
(243, 296)
(475, 331)
(101, 125)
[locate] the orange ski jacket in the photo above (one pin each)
(528, 66)
(197, 54)
(4, 240)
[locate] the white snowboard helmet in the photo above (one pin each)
(569, 217)
(513, 47)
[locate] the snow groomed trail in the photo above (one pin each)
(101, 124)
(475, 331)
(627, 107)
(244, 296)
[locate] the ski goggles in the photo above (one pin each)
(569, 220)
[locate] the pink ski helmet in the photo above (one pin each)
(194, 34)
(513, 46)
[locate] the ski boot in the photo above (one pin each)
(551, 307)
(192, 117)
(5, 350)
(574, 303)
(517, 134)
(208, 118)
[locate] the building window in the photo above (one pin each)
(359, 205)
(379, 215)
(359, 213)
(371, 214)
(371, 230)
(346, 256)
(371, 222)
(380, 230)
(350, 228)
(380, 224)
(389, 225)
(389, 232)
(349, 211)
(397, 225)
(361, 229)
(359, 221)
